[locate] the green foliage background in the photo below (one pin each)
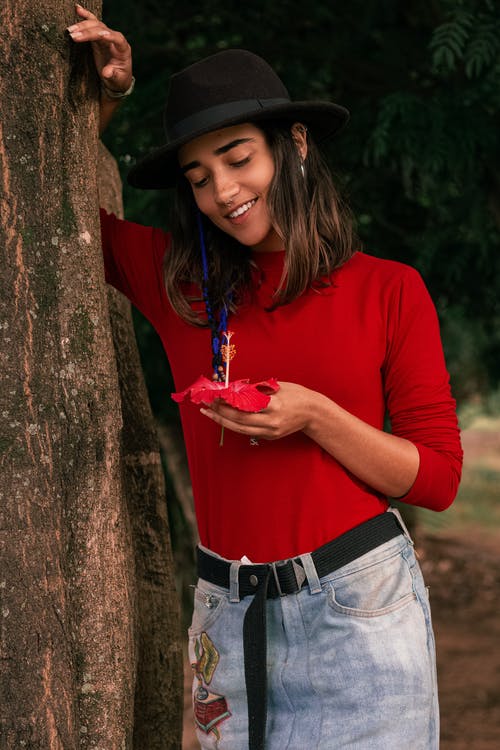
(419, 161)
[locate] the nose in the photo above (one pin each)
(225, 189)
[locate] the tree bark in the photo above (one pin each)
(158, 694)
(72, 583)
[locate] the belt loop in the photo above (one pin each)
(234, 584)
(395, 511)
(311, 573)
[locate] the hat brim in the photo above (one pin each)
(160, 168)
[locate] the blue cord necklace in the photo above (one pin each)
(217, 324)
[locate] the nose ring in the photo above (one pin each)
(228, 203)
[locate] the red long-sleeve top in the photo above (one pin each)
(370, 341)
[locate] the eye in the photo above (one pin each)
(200, 183)
(241, 162)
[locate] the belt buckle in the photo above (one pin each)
(300, 575)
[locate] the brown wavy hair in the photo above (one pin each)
(307, 213)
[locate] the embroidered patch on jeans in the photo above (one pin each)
(210, 709)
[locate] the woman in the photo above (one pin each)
(311, 625)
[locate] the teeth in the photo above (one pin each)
(242, 209)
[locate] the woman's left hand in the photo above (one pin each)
(288, 411)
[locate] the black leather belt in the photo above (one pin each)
(271, 580)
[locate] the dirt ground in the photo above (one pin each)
(463, 573)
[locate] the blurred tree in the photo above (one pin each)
(419, 159)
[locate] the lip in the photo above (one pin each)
(243, 217)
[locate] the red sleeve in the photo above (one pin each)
(420, 405)
(133, 263)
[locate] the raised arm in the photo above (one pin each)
(113, 60)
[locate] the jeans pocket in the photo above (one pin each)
(373, 590)
(209, 604)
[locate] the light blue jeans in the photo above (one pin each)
(350, 660)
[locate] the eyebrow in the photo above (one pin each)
(218, 152)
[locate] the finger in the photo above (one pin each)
(83, 12)
(84, 25)
(224, 408)
(109, 72)
(235, 415)
(243, 427)
(120, 44)
(87, 29)
(101, 33)
(223, 422)
(116, 79)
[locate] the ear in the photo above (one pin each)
(299, 135)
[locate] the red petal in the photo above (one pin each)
(240, 393)
(250, 396)
(202, 391)
(271, 385)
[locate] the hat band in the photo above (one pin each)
(216, 116)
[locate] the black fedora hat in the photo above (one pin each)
(224, 89)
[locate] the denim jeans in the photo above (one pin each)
(350, 660)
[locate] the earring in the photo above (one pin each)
(302, 169)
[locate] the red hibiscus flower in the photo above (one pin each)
(241, 394)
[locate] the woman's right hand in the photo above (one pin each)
(112, 52)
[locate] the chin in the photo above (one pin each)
(267, 240)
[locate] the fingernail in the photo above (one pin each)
(75, 34)
(72, 28)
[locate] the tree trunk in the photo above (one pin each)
(158, 695)
(72, 611)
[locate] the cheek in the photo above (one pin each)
(202, 201)
(266, 178)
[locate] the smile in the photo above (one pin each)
(242, 209)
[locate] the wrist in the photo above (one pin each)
(316, 406)
(112, 94)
